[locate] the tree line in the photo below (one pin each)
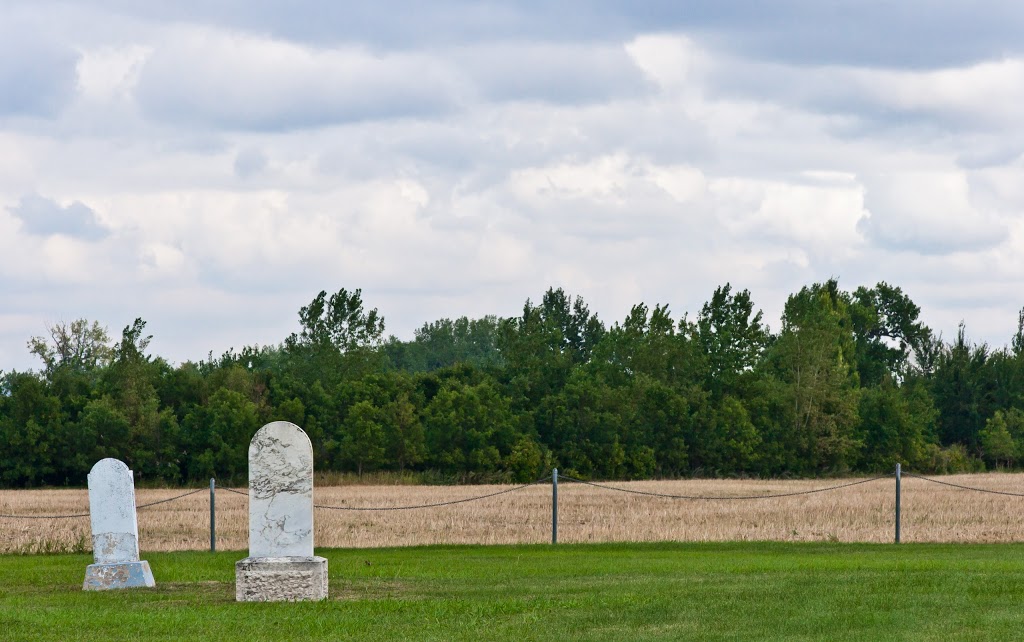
(852, 382)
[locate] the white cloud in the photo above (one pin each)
(928, 213)
(821, 219)
(569, 73)
(602, 179)
(986, 95)
(37, 70)
(45, 217)
(673, 61)
(206, 77)
(109, 74)
(232, 166)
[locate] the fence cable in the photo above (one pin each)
(161, 501)
(385, 508)
(720, 497)
(448, 503)
(548, 478)
(171, 499)
(979, 490)
(43, 516)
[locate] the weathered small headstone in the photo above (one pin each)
(115, 530)
(281, 565)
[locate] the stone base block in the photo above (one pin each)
(280, 579)
(102, 577)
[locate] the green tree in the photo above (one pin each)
(469, 428)
(593, 436)
(885, 322)
(218, 435)
(131, 381)
(406, 439)
(997, 443)
(31, 420)
(728, 441)
(962, 388)
(896, 425)
(664, 416)
(74, 356)
(572, 326)
(103, 431)
(182, 388)
(79, 346)
(647, 343)
(338, 339)
(364, 441)
(444, 343)
(1004, 375)
(541, 347)
(818, 386)
(527, 461)
(340, 321)
(1017, 343)
(732, 338)
(291, 410)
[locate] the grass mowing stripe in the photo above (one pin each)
(720, 591)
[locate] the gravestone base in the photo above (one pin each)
(280, 579)
(102, 577)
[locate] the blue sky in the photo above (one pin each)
(210, 166)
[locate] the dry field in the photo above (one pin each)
(862, 513)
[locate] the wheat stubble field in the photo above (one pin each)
(862, 513)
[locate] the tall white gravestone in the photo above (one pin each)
(281, 566)
(115, 530)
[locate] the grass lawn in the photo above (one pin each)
(733, 591)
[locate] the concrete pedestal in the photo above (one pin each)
(280, 579)
(102, 577)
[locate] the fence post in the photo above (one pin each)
(898, 476)
(554, 506)
(213, 515)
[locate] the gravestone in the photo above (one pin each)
(281, 565)
(115, 530)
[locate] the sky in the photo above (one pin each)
(211, 165)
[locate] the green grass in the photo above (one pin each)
(735, 591)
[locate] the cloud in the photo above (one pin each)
(673, 61)
(920, 105)
(249, 163)
(238, 81)
(912, 33)
(926, 213)
(814, 219)
(37, 73)
(984, 96)
(915, 33)
(246, 82)
(45, 217)
(458, 157)
(557, 73)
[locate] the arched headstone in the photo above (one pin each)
(115, 530)
(281, 565)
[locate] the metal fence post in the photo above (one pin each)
(213, 515)
(898, 476)
(554, 506)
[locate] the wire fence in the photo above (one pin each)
(436, 504)
(962, 487)
(721, 497)
(554, 479)
(138, 507)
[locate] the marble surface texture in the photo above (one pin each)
(280, 579)
(115, 528)
(280, 492)
(105, 577)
